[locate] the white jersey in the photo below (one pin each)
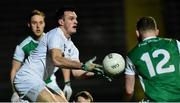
(53, 39)
(29, 80)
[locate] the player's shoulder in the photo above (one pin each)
(168, 40)
(26, 41)
(54, 30)
(133, 51)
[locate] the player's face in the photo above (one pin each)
(37, 25)
(83, 100)
(70, 22)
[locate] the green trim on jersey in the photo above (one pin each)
(48, 80)
(28, 48)
(157, 61)
(28, 45)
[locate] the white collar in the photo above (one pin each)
(149, 38)
(62, 33)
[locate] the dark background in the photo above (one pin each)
(101, 31)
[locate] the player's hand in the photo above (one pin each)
(89, 65)
(15, 97)
(99, 73)
(67, 90)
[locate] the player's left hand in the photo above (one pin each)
(67, 90)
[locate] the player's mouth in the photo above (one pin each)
(75, 27)
(38, 31)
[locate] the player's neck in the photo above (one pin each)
(65, 33)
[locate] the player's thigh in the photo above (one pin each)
(47, 96)
(31, 88)
(28, 85)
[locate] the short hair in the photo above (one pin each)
(61, 10)
(83, 94)
(146, 23)
(36, 12)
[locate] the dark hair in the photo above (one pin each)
(61, 10)
(83, 94)
(146, 23)
(35, 12)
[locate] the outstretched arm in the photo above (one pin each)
(129, 85)
(62, 62)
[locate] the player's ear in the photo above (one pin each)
(61, 22)
(137, 33)
(28, 25)
(157, 32)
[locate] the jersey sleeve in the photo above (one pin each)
(19, 54)
(54, 41)
(130, 68)
(178, 45)
(75, 54)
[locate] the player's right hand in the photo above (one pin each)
(15, 97)
(89, 65)
(67, 90)
(99, 73)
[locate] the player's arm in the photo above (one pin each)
(81, 74)
(16, 62)
(60, 61)
(129, 85)
(129, 78)
(66, 74)
(15, 67)
(67, 83)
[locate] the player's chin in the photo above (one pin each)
(73, 31)
(38, 34)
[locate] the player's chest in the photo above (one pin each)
(67, 49)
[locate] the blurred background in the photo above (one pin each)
(105, 26)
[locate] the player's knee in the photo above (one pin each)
(47, 96)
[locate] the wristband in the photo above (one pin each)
(84, 67)
(67, 82)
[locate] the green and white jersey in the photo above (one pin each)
(24, 49)
(156, 61)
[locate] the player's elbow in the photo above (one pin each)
(57, 62)
(129, 91)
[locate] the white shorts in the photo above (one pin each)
(53, 84)
(28, 82)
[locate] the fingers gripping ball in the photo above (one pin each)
(113, 64)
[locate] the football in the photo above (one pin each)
(113, 64)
